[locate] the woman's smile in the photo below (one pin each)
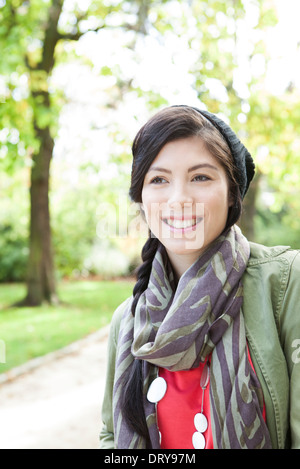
(182, 225)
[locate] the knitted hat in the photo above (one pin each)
(242, 158)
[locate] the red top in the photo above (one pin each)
(175, 414)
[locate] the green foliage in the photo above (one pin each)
(13, 255)
(19, 21)
(277, 228)
(74, 229)
(13, 227)
(25, 73)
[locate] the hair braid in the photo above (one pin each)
(143, 273)
(132, 398)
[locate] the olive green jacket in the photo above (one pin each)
(271, 309)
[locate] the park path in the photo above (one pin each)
(55, 402)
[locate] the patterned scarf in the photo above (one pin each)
(177, 328)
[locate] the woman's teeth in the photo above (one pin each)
(181, 224)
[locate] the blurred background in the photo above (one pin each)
(78, 78)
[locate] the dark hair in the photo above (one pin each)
(172, 123)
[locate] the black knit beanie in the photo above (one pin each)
(243, 160)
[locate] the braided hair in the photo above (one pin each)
(132, 397)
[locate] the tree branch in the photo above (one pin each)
(77, 35)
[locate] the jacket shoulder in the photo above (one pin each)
(284, 255)
(272, 276)
(260, 254)
(275, 267)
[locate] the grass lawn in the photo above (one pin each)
(85, 307)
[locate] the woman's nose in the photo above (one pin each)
(179, 197)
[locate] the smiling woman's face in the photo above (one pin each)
(185, 199)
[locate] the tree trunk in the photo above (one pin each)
(41, 275)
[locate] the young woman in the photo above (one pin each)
(205, 354)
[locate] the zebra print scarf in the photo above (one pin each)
(177, 328)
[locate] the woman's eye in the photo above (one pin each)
(201, 178)
(158, 180)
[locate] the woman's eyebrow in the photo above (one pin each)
(203, 165)
(193, 168)
(163, 170)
